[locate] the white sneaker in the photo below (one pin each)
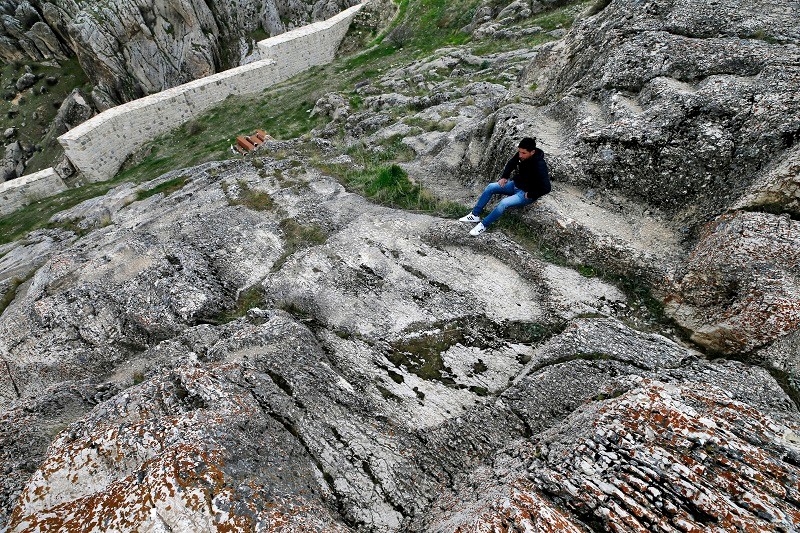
(477, 230)
(470, 218)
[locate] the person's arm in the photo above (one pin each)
(509, 168)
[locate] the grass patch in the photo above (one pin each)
(762, 35)
(421, 352)
(430, 125)
(11, 292)
(296, 237)
(560, 18)
(33, 114)
(168, 187)
(255, 200)
(639, 296)
(35, 216)
(248, 299)
(422, 355)
(376, 175)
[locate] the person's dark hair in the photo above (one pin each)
(528, 143)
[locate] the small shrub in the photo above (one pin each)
(193, 127)
(356, 102)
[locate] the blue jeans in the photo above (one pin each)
(516, 197)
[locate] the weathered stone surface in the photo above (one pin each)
(778, 190)
(13, 163)
(661, 457)
(74, 110)
(739, 290)
(673, 106)
(392, 373)
(130, 49)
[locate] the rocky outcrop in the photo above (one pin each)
(777, 190)
(131, 49)
(660, 457)
(261, 349)
(670, 104)
(740, 289)
(74, 110)
(13, 163)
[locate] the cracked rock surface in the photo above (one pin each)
(379, 386)
(131, 49)
(263, 350)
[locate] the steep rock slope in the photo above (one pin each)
(662, 117)
(130, 49)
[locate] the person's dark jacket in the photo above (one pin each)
(530, 175)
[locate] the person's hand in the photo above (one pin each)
(502, 182)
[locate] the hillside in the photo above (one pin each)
(308, 339)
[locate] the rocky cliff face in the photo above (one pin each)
(130, 49)
(262, 349)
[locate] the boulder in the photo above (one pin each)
(13, 163)
(25, 81)
(74, 110)
(739, 289)
(46, 41)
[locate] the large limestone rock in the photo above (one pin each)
(673, 102)
(740, 288)
(13, 163)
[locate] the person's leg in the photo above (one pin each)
(490, 190)
(517, 199)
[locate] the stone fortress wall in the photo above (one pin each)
(100, 146)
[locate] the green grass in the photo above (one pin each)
(297, 236)
(248, 299)
(255, 200)
(167, 187)
(36, 110)
(559, 18)
(19, 223)
(376, 175)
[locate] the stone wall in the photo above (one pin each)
(99, 146)
(25, 190)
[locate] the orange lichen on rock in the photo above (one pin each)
(715, 464)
